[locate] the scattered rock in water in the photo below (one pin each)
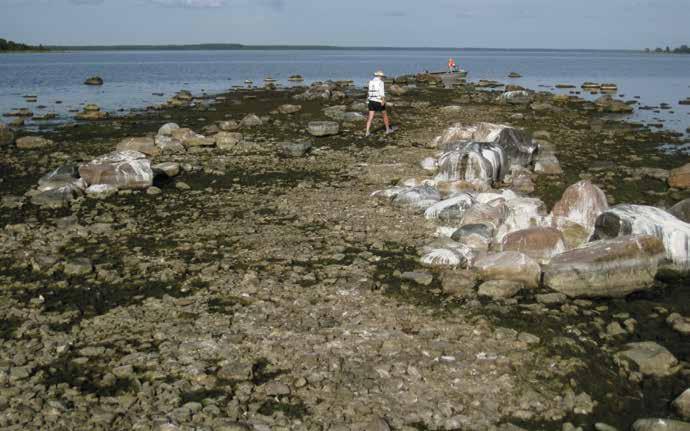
(500, 289)
(649, 359)
(17, 123)
(682, 210)
(591, 86)
(295, 78)
(517, 97)
(92, 112)
(94, 80)
(514, 75)
(510, 266)
(251, 120)
(679, 178)
(23, 112)
(539, 243)
(564, 86)
(144, 145)
(32, 142)
(606, 268)
(323, 128)
(167, 129)
(629, 219)
(289, 109)
(6, 135)
(608, 104)
(122, 169)
(295, 149)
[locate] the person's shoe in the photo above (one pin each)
(389, 131)
(366, 135)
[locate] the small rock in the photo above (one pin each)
(323, 128)
(500, 289)
(182, 186)
(251, 120)
(32, 142)
(295, 149)
(78, 266)
(421, 278)
(94, 80)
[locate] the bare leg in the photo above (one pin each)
(386, 121)
(369, 120)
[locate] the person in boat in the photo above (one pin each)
(376, 100)
(451, 65)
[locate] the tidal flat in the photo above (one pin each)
(260, 286)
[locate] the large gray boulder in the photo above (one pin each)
(606, 268)
(646, 220)
(6, 135)
(323, 128)
(122, 169)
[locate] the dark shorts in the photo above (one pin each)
(376, 106)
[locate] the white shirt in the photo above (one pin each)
(376, 90)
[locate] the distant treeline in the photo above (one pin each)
(9, 46)
(198, 47)
(683, 49)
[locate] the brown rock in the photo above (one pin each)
(581, 203)
(32, 142)
(144, 145)
(680, 177)
(539, 243)
(509, 265)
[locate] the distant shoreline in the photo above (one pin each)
(240, 47)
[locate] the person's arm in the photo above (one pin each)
(383, 93)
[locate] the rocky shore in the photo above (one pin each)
(506, 260)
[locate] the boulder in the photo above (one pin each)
(419, 198)
(323, 128)
(169, 169)
(169, 145)
(492, 214)
(581, 203)
(539, 243)
(519, 97)
(167, 129)
(446, 252)
(681, 210)
(608, 104)
(227, 140)
(450, 209)
(295, 149)
(500, 289)
(645, 220)
(60, 177)
(680, 177)
(122, 169)
(547, 163)
(228, 126)
(144, 145)
(32, 142)
(660, 425)
(459, 132)
(289, 109)
(606, 268)
(510, 266)
(6, 135)
(522, 213)
(251, 120)
(649, 358)
(94, 80)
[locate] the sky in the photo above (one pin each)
(566, 24)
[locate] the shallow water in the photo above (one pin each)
(132, 77)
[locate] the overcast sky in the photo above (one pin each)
(601, 24)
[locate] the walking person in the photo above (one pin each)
(377, 101)
(451, 66)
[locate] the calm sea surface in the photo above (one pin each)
(131, 77)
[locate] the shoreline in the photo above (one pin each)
(270, 289)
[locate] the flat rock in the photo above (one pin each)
(323, 128)
(421, 278)
(646, 220)
(144, 145)
(78, 266)
(289, 109)
(679, 323)
(228, 126)
(606, 268)
(32, 142)
(169, 169)
(101, 191)
(649, 358)
(227, 140)
(94, 80)
(509, 265)
(660, 425)
(295, 149)
(539, 243)
(500, 289)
